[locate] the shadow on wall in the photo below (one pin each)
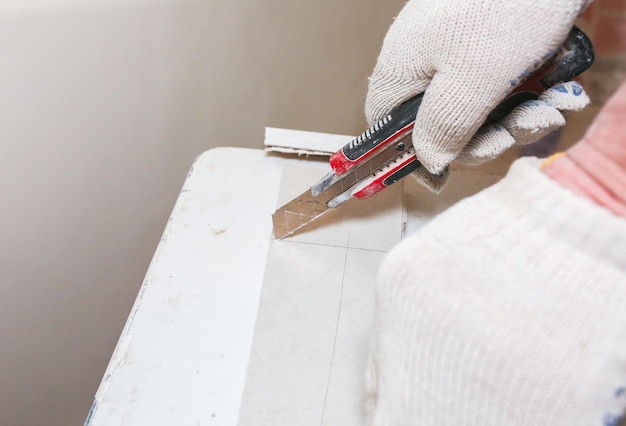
(104, 106)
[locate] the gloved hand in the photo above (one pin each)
(508, 308)
(467, 56)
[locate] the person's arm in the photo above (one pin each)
(596, 166)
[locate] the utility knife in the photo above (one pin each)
(384, 153)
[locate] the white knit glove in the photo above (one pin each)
(467, 56)
(514, 320)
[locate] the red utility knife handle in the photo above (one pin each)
(395, 126)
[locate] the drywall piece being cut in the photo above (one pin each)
(310, 344)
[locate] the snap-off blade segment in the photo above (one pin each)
(306, 207)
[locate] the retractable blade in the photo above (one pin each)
(384, 153)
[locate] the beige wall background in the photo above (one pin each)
(103, 106)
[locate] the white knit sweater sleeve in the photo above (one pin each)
(509, 308)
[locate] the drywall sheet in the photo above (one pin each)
(310, 344)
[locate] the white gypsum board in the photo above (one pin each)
(310, 344)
